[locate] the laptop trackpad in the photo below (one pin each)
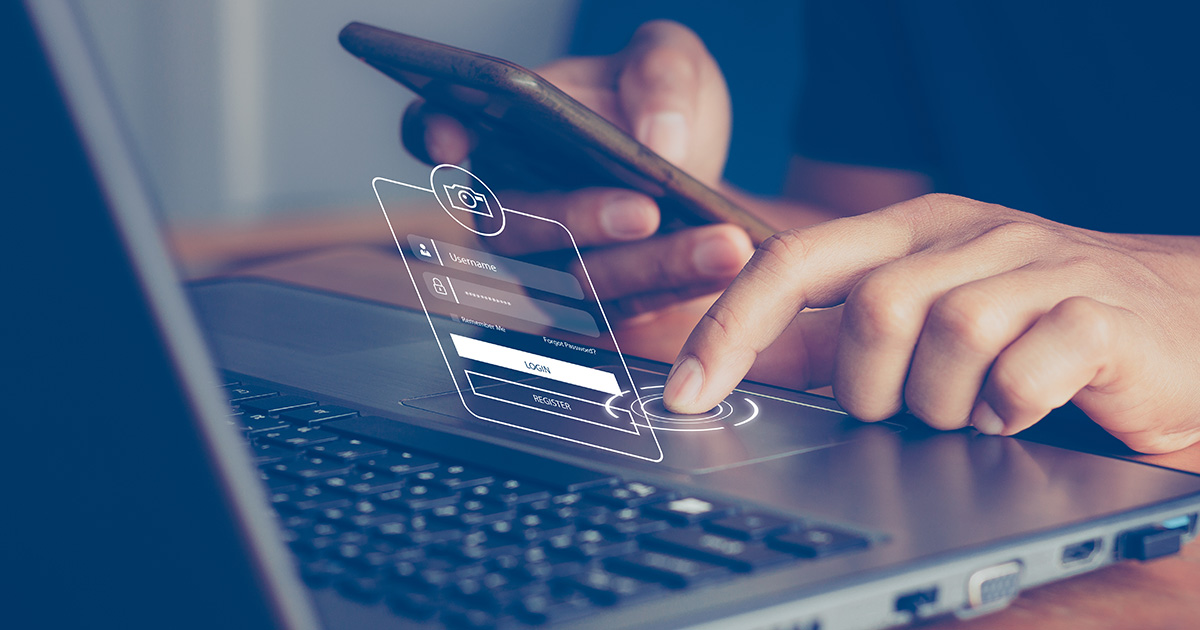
(754, 424)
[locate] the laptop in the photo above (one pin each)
(253, 453)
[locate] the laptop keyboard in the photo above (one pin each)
(465, 546)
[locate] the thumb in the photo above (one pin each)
(674, 98)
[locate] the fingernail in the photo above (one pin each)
(717, 257)
(665, 133)
(985, 419)
(683, 383)
(627, 217)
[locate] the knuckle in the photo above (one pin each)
(972, 318)
(1020, 233)
(882, 307)
(937, 208)
(1088, 319)
(935, 205)
(782, 253)
(937, 199)
(727, 323)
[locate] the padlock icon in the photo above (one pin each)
(438, 287)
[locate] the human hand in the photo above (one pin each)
(965, 313)
(666, 90)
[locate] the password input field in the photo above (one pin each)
(511, 304)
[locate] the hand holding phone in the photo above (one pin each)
(663, 88)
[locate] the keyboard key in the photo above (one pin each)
(276, 483)
(309, 469)
(626, 522)
(399, 462)
(362, 514)
(423, 530)
(315, 414)
(359, 551)
(481, 545)
(308, 498)
(532, 527)
(817, 542)
(347, 449)
(275, 404)
(434, 574)
(251, 423)
(456, 476)
(513, 491)
(480, 592)
(363, 483)
(589, 543)
(735, 554)
(418, 497)
(670, 570)
(543, 606)
(239, 393)
(475, 512)
(565, 506)
(298, 437)
(417, 531)
(606, 589)
(267, 453)
(688, 510)
(314, 538)
(631, 494)
(748, 526)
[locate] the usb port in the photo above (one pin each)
(1080, 552)
(916, 601)
(1179, 522)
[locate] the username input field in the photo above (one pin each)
(492, 265)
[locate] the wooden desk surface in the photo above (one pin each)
(1164, 593)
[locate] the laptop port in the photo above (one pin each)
(916, 601)
(994, 587)
(1186, 522)
(1080, 552)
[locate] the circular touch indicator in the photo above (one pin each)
(467, 199)
(649, 409)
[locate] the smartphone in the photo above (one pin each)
(532, 134)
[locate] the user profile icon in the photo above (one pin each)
(424, 249)
(467, 199)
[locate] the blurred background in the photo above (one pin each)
(250, 118)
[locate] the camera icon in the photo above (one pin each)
(466, 199)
